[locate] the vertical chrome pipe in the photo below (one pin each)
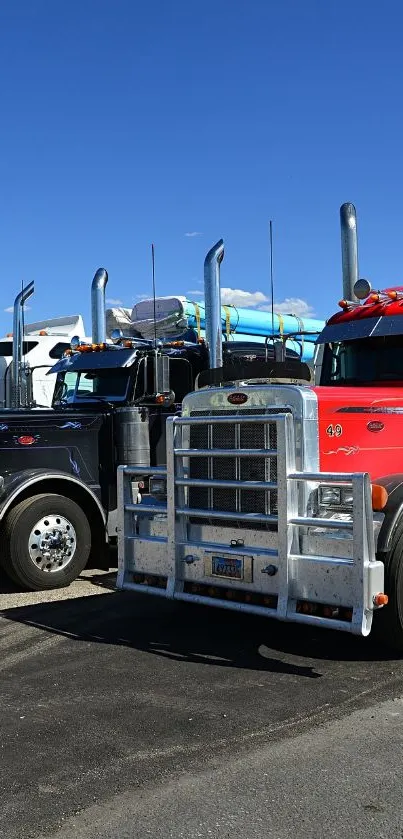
(18, 344)
(349, 249)
(98, 306)
(212, 301)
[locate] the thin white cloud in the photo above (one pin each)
(244, 299)
(295, 306)
(10, 309)
(195, 292)
(193, 233)
(114, 301)
(258, 300)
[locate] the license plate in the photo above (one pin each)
(230, 567)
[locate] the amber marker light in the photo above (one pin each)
(380, 599)
(379, 497)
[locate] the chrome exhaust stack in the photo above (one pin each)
(212, 300)
(98, 306)
(18, 346)
(349, 250)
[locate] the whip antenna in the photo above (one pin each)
(154, 300)
(271, 275)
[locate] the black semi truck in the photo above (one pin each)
(58, 466)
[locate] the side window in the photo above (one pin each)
(69, 384)
(86, 383)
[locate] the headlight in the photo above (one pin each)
(334, 496)
(347, 497)
(330, 496)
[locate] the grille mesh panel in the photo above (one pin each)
(224, 436)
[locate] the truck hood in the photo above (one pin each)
(360, 429)
(372, 400)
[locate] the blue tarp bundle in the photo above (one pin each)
(178, 315)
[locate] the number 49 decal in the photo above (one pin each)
(334, 430)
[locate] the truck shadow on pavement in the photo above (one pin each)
(193, 633)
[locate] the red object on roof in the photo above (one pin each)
(385, 307)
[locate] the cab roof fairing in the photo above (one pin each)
(369, 327)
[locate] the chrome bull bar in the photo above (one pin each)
(291, 577)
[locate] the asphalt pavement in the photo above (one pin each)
(123, 715)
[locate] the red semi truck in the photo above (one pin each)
(286, 498)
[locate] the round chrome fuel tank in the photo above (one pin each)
(132, 436)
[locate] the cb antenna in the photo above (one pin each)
(271, 275)
(154, 301)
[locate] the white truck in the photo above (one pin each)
(43, 343)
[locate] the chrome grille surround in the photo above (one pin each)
(262, 398)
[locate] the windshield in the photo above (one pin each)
(366, 361)
(87, 386)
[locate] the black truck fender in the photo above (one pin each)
(20, 485)
(393, 511)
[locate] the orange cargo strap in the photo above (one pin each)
(301, 329)
(227, 321)
(197, 313)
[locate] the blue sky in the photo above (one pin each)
(128, 122)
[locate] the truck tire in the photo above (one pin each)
(47, 542)
(388, 622)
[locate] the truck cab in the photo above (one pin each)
(140, 385)
(360, 387)
(363, 344)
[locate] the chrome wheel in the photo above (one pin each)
(52, 543)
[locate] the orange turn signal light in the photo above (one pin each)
(393, 295)
(380, 599)
(374, 298)
(43, 332)
(343, 304)
(379, 497)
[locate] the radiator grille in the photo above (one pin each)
(235, 436)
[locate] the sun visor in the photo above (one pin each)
(365, 328)
(111, 359)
